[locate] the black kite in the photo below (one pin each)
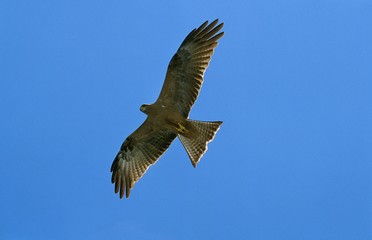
(167, 118)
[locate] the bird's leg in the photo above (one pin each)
(181, 128)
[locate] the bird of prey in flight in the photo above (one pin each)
(167, 118)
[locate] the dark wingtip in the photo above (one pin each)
(127, 192)
(214, 22)
(121, 192)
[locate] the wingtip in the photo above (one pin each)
(127, 192)
(214, 21)
(220, 25)
(126, 195)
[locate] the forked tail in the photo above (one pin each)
(197, 146)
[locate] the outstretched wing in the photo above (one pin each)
(186, 69)
(138, 152)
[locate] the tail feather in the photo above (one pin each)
(197, 146)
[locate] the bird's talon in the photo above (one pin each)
(181, 128)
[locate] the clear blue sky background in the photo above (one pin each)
(292, 81)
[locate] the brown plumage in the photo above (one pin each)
(167, 118)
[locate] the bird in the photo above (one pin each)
(167, 118)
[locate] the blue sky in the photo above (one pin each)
(292, 81)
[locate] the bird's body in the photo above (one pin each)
(167, 118)
(161, 115)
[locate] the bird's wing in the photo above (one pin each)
(186, 69)
(138, 152)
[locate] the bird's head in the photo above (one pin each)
(143, 108)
